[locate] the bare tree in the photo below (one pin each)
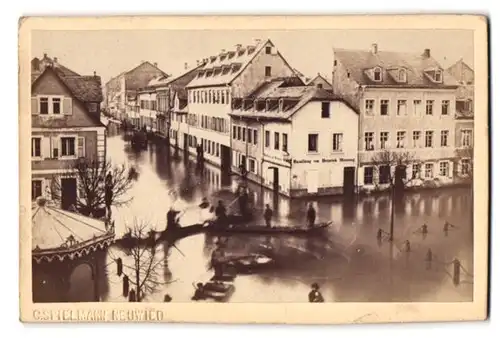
(91, 179)
(145, 275)
(466, 172)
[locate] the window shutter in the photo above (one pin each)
(450, 169)
(81, 147)
(45, 147)
(56, 152)
(34, 106)
(67, 106)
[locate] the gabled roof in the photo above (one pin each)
(38, 66)
(294, 98)
(358, 62)
(319, 76)
(228, 66)
(270, 85)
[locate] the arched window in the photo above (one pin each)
(377, 74)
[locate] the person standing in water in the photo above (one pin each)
(268, 214)
(311, 215)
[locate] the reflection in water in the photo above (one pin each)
(347, 261)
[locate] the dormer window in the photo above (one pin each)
(402, 75)
(377, 74)
(280, 105)
(438, 76)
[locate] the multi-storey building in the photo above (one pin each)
(464, 127)
(295, 139)
(65, 126)
(223, 78)
(407, 111)
(122, 89)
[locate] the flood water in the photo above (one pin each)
(348, 262)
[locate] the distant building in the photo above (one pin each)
(462, 72)
(124, 88)
(65, 124)
(407, 106)
(295, 139)
(320, 82)
(224, 77)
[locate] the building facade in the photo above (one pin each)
(65, 125)
(407, 114)
(296, 140)
(223, 78)
(122, 89)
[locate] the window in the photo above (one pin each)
(415, 171)
(277, 141)
(213, 148)
(67, 146)
(238, 133)
(267, 137)
(249, 137)
(384, 107)
(466, 137)
(369, 141)
(384, 139)
(465, 166)
(369, 105)
(444, 169)
(401, 107)
(319, 85)
(36, 189)
(268, 50)
(325, 110)
(255, 136)
(209, 150)
(56, 106)
(268, 71)
(368, 175)
(44, 105)
(234, 132)
(428, 138)
(445, 106)
(337, 142)
(285, 142)
(401, 139)
(217, 147)
(36, 147)
(377, 74)
(429, 170)
(312, 143)
(444, 138)
(251, 164)
(417, 107)
(416, 139)
(402, 75)
(384, 174)
(243, 134)
(223, 97)
(429, 105)
(334, 62)
(438, 76)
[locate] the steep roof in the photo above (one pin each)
(39, 65)
(139, 76)
(358, 62)
(225, 67)
(294, 98)
(319, 76)
(269, 86)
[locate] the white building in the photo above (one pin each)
(407, 106)
(297, 140)
(224, 77)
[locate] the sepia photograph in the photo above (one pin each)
(254, 165)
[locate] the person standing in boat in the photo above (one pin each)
(268, 214)
(243, 201)
(172, 221)
(220, 213)
(311, 215)
(315, 296)
(199, 294)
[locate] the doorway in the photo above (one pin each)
(276, 179)
(225, 164)
(186, 142)
(68, 193)
(349, 175)
(312, 181)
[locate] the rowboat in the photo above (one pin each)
(249, 263)
(263, 229)
(181, 232)
(218, 291)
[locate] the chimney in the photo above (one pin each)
(427, 53)
(257, 41)
(374, 48)
(45, 55)
(55, 60)
(185, 65)
(238, 47)
(155, 64)
(95, 74)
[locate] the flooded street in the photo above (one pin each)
(348, 262)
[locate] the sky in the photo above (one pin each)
(110, 52)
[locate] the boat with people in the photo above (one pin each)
(215, 227)
(247, 264)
